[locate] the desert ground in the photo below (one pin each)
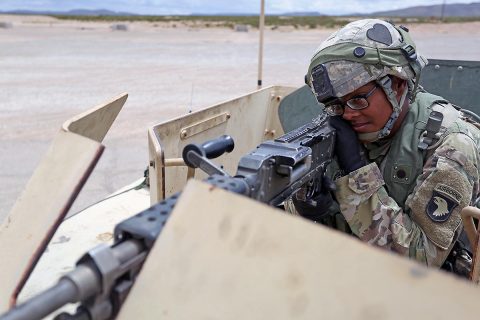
(51, 70)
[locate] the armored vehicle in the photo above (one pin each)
(219, 254)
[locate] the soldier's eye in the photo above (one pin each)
(357, 103)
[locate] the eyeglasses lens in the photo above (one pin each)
(357, 103)
(334, 110)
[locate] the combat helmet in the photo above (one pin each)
(364, 51)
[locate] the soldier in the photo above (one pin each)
(409, 159)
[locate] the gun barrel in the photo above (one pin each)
(81, 283)
(42, 305)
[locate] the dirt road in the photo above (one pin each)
(51, 70)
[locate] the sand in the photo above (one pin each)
(51, 70)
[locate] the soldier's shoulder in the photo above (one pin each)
(462, 151)
(466, 142)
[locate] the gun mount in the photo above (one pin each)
(271, 173)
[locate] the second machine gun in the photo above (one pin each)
(271, 174)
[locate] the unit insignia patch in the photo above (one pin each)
(444, 199)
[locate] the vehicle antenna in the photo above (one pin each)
(191, 99)
(260, 46)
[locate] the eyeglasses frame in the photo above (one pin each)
(360, 96)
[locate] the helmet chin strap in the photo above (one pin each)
(386, 84)
(369, 136)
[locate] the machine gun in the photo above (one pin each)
(271, 173)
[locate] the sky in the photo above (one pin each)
(172, 7)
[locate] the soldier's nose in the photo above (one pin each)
(349, 114)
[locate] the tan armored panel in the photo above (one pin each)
(81, 232)
(249, 119)
(224, 256)
(49, 194)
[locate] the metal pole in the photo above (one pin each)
(260, 46)
(443, 11)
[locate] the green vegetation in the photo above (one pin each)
(223, 21)
(311, 22)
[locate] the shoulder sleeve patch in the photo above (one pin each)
(444, 199)
(448, 192)
(436, 202)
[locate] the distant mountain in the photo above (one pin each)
(76, 12)
(290, 14)
(99, 12)
(105, 12)
(302, 14)
(218, 14)
(450, 10)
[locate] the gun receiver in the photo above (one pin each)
(278, 168)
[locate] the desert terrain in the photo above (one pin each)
(51, 70)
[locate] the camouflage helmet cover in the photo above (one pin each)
(364, 51)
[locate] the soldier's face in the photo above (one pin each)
(372, 118)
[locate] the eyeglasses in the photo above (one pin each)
(337, 108)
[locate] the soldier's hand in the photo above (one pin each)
(313, 206)
(347, 146)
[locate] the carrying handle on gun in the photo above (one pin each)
(468, 214)
(210, 149)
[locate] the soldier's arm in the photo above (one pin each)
(432, 222)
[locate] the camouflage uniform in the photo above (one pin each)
(405, 200)
(412, 227)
